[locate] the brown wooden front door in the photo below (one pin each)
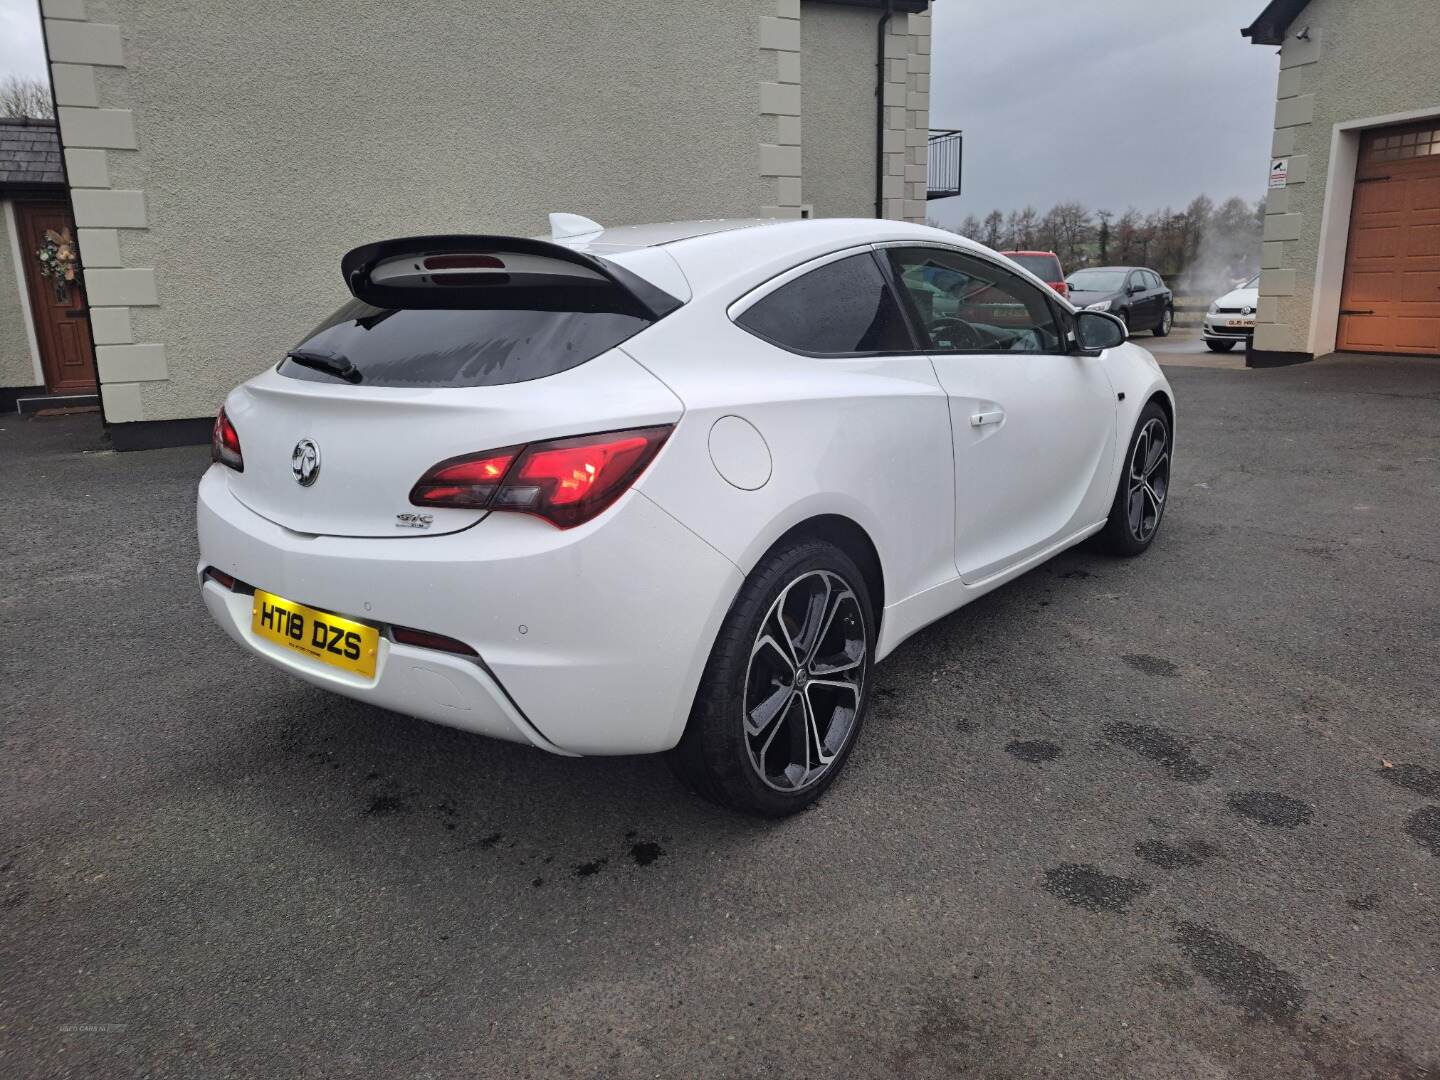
(62, 322)
(1391, 298)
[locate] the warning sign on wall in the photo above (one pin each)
(1279, 172)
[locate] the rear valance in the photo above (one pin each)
(505, 272)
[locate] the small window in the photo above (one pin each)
(1153, 280)
(968, 305)
(839, 309)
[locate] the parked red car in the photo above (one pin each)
(1043, 264)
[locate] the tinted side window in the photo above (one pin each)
(968, 305)
(841, 307)
(1155, 282)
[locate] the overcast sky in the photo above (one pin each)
(21, 50)
(1110, 102)
(1116, 103)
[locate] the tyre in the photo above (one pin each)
(1167, 320)
(1219, 346)
(1144, 486)
(784, 692)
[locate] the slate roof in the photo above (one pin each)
(30, 154)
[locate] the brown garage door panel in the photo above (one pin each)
(1423, 241)
(1363, 332)
(1367, 287)
(1369, 242)
(1418, 335)
(1420, 287)
(1392, 262)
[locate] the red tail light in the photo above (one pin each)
(225, 443)
(565, 481)
(466, 482)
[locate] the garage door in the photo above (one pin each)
(1391, 298)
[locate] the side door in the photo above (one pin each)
(1033, 422)
(1159, 297)
(1139, 318)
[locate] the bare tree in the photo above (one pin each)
(25, 97)
(1066, 230)
(970, 227)
(993, 229)
(1102, 235)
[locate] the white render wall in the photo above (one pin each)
(223, 157)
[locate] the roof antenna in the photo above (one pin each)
(563, 226)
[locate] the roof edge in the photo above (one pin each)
(1271, 25)
(909, 7)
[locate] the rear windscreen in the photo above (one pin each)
(1045, 267)
(437, 347)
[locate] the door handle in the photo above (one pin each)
(980, 419)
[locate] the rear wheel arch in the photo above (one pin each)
(849, 537)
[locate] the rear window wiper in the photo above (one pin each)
(329, 363)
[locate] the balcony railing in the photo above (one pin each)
(946, 153)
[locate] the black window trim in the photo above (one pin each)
(1064, 317)
(778, 281)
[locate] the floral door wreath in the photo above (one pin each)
(58, 261)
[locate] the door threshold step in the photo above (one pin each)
(27, 406)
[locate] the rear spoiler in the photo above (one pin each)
(497, 272)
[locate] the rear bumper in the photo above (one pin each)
(592, 641)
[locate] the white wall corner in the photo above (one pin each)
(122, 288)
(63, 9)
(84, 43)
(1282, 227)
(99, 248)
(107, 129)
(121, 402)
(111, 325)
(74, 85)
(87, 168)
(1277, 282)
(109, 209)
(1294, 111)
(131, 363)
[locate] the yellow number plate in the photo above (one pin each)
(332, 640)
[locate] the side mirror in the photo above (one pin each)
(1133, 289)
(1096, 331)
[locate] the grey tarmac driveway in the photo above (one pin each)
(1117, 819)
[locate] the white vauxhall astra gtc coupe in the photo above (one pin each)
(668, 487)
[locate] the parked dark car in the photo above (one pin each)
(1136, 294)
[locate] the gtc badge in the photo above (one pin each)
(414, 521)
(305, 462)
